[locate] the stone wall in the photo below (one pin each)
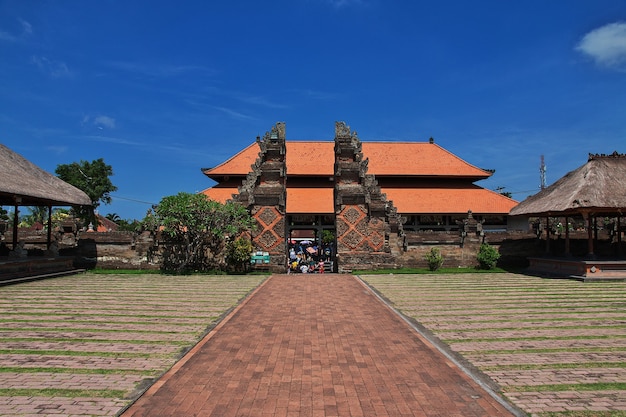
(514, 248)
(108, 250)
(128, 250)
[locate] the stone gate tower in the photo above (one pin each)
(369, 229)
(263, 192)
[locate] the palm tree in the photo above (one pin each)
(114, 217)
(38, 214)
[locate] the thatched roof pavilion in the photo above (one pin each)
(26, 183)
(597, 188)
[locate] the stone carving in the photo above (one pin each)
(263, 193)
(364, 215)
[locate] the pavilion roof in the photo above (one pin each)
(34, 186)
(317, 158)
(599, 186)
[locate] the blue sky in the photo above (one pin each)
(161, 89)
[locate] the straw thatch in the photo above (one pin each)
(22, 179)
(598, 187)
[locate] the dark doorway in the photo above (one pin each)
(311, 242)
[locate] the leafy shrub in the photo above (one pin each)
(238, 253)
(434, 259)
(487, 256)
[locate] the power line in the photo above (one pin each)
(131, 199)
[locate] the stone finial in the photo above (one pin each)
(342, 130)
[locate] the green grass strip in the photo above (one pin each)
(536, 338)
(107, 341)
(100, 322)
(424, 271)
(80, 330)
(545, 350)
(598, 386)
(555, 327)
(55, 392)
(82, 371)
(583, 413)
(77, 353)
(125, 272)
(537, 366)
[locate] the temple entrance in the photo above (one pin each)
(311, 244)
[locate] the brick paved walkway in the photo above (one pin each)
(315, 345)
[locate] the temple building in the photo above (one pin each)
(355, 200)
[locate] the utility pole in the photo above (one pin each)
(542, 173)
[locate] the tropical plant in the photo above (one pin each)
(238, 253)
(487, 256)
(4, 214)
(194, 229)
(434, 258)
(38, 214)
(114, 217)
(328, 237)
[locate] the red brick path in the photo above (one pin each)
(315, 345)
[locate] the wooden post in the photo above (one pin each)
(49, 227)
(548, 235)
(16, 220)
(590, 235)
(567, 250)
(619, 235)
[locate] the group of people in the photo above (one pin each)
(308, 259)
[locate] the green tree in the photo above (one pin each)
(37, 214)
(93, 179)
(114, 217)
(129, 225)
(194, 230)
(4, 214)
(238, 253)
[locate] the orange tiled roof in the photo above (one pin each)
(385, 158)
(221, 195)
(448, 200)
(406, 200)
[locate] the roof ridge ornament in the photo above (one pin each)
(614, 155)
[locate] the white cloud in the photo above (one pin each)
(27, 30)
(158, 70)
(606, 45)
(104, 121)
(234, 114)
(55, 69)
(58, 150)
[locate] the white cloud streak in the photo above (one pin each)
(606, 45)
(234, 114)
(104, 121)
(157, 70)
(27, 30)
(55, 69)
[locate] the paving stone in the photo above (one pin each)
(316, 339)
